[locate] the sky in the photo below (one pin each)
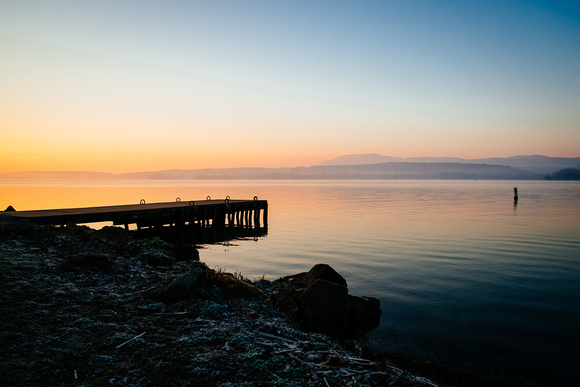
(126, 86)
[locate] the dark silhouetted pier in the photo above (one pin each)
(199, 213)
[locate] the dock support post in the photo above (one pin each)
(257, 217)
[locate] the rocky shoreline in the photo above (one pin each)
(98, 307)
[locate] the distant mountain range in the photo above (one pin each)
(368, 166)
(536, 163)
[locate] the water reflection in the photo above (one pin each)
(442, 256)
(197, 235)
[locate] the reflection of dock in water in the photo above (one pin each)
(192, 216)
(197, 235)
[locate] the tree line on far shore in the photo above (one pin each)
(564, 174)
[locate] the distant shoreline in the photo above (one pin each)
(385, 171)
(349, 167)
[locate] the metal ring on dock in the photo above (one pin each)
(178, 199)
(255, 198)
(227, 199)
(142, 201)
(191, 203)
(208, 197)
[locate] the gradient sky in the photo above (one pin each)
(121, 86)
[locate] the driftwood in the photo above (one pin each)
(128, 341)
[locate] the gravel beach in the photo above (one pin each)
(78, 307)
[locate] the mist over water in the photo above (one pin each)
(465, 276)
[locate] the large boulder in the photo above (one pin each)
(153, 258)
(236, 288)
(325, 272)
(324, 308)
(364, 314)
(286, 302)
(186, 253)
(319, 301)
(111, 233)
(318, 271)
(183, 287)
(12, 224)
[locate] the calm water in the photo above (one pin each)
(465, 278)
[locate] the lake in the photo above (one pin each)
(465, 277)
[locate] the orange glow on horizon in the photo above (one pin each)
(124, 160)
(120, 160)
(121, 150)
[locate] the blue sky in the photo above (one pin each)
(132, 85)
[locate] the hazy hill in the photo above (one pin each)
(57, 176)
(413, 170)
(360, 171)
(369, 158)
(535, 163)
(369, 166)
(419, 170)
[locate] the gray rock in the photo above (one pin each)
(186, 253)
(236, 288)
(156, 259)
(325, 272)
(183, 287)
(287, 304)
(13, 224)
(364, 314)
(112, 233)
(319, 301)
(324, 308)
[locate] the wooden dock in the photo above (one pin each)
(201, 213)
